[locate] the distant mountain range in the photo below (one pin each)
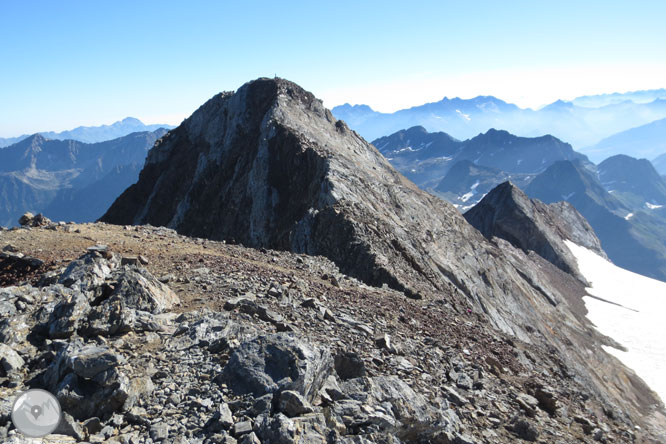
(443, 165)
(67, 179)
(94, 134)
(582, 126)
(599, 100)
(623, 198)
(646, 141)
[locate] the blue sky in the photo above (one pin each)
(71, 63)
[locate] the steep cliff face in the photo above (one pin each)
(269, 166)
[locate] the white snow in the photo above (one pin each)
(476, 184)
(634, 317)
(465, 197)
(652, 206)
(409, 148)
(628, 216)
(463, 115)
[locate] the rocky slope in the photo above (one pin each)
(157, 337)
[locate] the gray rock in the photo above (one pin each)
(87, 273)
(90, 361)
(349, 365)
(241, 428)
(68, 315)
(70, 427)
(139, 290)
(159, 432)
(547, 399)
(9, 359)
(527, 403)
(278, 362)
(292, 404)
(524, 429)
(464, 382)
(455, 397)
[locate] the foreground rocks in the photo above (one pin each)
(277, 353)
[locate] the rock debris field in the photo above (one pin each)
(146, 336)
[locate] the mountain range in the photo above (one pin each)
(646, 141)
(623, 198)
(582, 126)
(94, 134)
(67, 179)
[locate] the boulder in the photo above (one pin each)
(9, 359)
(277, 362)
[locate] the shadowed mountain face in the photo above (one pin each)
(66, 179)
(269, 166)
(633, 181)
(660, 164)
(634, 240)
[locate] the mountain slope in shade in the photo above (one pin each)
(465, 118)
(269, 166)
(633, 181)
(531, 225)
(50, 176)
(94, 134)
(646, 141)
(633, 240)
(660, 164)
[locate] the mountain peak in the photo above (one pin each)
(506, 212)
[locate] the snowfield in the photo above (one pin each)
(637, 321)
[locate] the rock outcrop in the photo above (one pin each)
(531, 225)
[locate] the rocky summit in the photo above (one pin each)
(358, 308)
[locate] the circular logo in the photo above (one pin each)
(36, 413)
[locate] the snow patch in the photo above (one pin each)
(465, 197)
(463, 115)
(652, 206)
(633, 315)
(628, 216)
(476, 184)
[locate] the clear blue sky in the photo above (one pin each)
(70, 63)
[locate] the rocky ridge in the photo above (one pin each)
(183, 357)
(269, 167)
(531, 225)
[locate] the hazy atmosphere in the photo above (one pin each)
(75, 63)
